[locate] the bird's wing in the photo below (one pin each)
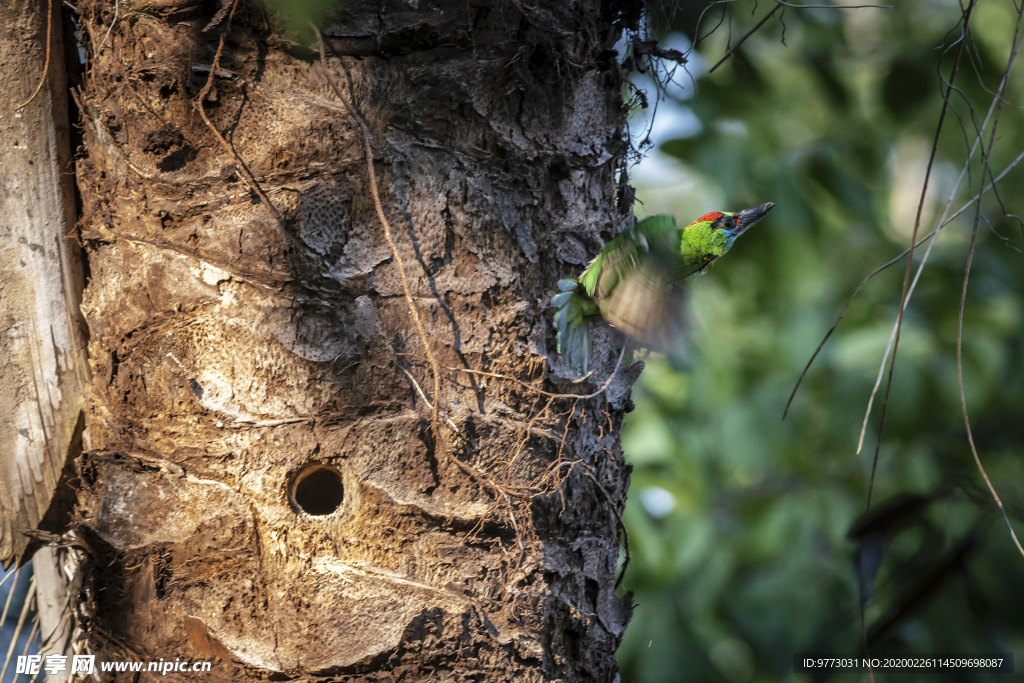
(634, 281)
(647, 305)
(654, 237)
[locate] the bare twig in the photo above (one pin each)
(742, 40)
(920, 269)
(963, 293)
(913, 239)
(997, 98)
(779, 4)
(885, 266)
(793, 4)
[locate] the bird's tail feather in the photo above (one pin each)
(571, 324)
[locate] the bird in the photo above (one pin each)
(634, 283)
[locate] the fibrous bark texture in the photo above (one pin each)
(262, 484)
(42, 351)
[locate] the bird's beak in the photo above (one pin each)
(747, 217)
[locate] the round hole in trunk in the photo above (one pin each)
(317, 490)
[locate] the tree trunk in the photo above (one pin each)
(264, 484)
(42, 352)
(43, 370)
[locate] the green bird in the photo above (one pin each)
(634, 282)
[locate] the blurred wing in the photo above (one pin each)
(654, 239)
(647, 305)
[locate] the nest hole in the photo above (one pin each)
(317, 490)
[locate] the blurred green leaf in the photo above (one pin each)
(753, 562)
(295, 16)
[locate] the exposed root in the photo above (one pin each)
(433, 409)
(603, 387)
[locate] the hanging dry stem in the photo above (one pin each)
(413, 310)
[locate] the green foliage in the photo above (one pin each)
(738, 522)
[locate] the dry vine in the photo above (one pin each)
(46, 61)
(1016, 43)
(413, 310)
(240, 164)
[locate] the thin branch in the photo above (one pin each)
(920, 268)
(749, 33)
(913, 239)
(963, 293)
(721, 20)
(997, 99)
(779, 4)
(793, 4)
(910, 252)
(891, 262)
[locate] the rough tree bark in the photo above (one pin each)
(262, 484)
